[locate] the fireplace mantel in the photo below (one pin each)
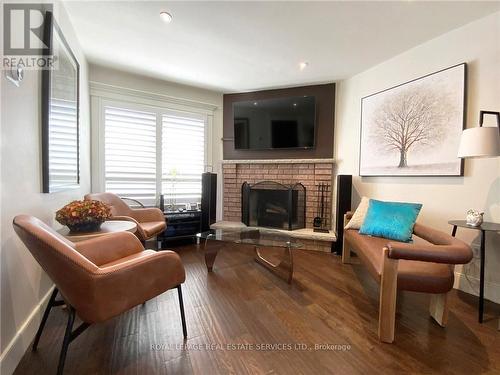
(279, 161)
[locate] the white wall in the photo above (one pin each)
(149, 85)
(477, 44)
(23, 283)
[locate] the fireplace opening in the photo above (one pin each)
(273, 205)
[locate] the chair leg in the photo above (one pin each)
(183, 317)
(439, 308)
(388, 293)
(44, 318)
(66, 340)
(346, 252)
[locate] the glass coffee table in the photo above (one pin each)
(216, 239)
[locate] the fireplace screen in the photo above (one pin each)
(273, 205)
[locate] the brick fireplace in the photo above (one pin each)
(308, 172)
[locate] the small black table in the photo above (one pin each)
(484, 227)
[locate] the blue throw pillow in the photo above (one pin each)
(392, 220)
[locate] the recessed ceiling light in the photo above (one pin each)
(303, 65)
(166, 17)
(295, 104)
(255, 103)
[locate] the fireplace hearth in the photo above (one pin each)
(273, 205)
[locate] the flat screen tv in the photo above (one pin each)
(275, 123)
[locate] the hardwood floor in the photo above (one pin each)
(235, 312)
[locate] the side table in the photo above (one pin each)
(483, 228)
(108, 227)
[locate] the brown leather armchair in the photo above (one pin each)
(425, 266)
(99, 278)
(150, 221)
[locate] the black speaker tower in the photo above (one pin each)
(208, 200)
(344, 192)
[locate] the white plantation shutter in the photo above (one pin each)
(183, 157)
(130, 153)
(63, 144)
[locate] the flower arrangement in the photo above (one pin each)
(83, 216)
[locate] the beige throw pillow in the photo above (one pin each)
(359, 215)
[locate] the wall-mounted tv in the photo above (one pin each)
(275, 123)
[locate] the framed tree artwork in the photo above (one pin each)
(414, 129)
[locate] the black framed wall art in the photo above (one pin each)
(60, 113)
(414, 129)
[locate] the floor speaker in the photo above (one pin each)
(208, 200)
(344, 192)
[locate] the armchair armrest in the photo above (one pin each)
(449, 254)
(121, 217)
(443, 248)
(105, 249)
(124, 285)
(148, 214)
(139, 231)
(347, 217)
(165, 262)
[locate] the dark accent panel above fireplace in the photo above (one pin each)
(273, 205)
(325, 106)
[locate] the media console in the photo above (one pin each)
(181, 225)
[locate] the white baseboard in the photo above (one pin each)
(13, 353)
(470, 284)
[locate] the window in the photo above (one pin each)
(152, 152)
(63, 144)
(183, 157)
(130, 154)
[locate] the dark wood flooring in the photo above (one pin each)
(233, 313)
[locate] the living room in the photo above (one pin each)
(319, 181)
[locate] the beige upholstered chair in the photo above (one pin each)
(98, 278)
(150, 221)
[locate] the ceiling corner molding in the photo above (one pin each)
(107, 91)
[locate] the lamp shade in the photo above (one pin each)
(480, 142)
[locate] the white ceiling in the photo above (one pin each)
(240, 46)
